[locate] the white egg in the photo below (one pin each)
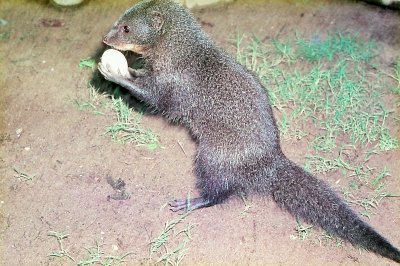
(115, 61)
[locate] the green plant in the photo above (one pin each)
(128, 129)
(87, 63)
(170, 245)
(22, 175)
(92, 102)
(95, 255)
(60, 239)
(303, 232)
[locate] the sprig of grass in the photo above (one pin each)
(128, 129)
(247, 206)
(22, 175)
(325, 238)
(396, 76)
(93, 102)
(170, 236)
(369, 202)
(379, 179)
(60, 239)
(95, 254)
(303, 232)
(87, 63)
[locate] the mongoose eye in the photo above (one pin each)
(126, 29)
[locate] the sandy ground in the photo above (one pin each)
(44, 133)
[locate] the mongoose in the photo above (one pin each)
(224, 106)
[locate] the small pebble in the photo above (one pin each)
(18, 132)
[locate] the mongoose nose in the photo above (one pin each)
(105, 39)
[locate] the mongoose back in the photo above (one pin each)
(225, 108)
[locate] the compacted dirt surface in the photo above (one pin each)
(43, 133)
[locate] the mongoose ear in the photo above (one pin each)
(157, 20)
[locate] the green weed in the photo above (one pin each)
(22, 175)
(387, 142)
(93, 102)
(87, 63)
(60, 239)
(170, 245)
(95, 255)
(326, 239)
(303, 232)
(128, 129)
(380, 178)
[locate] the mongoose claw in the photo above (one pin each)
(178, 205)
(189, 204)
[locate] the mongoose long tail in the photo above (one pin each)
(313, 201)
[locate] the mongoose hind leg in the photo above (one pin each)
(212, 190)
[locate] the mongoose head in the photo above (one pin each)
(138, 28)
